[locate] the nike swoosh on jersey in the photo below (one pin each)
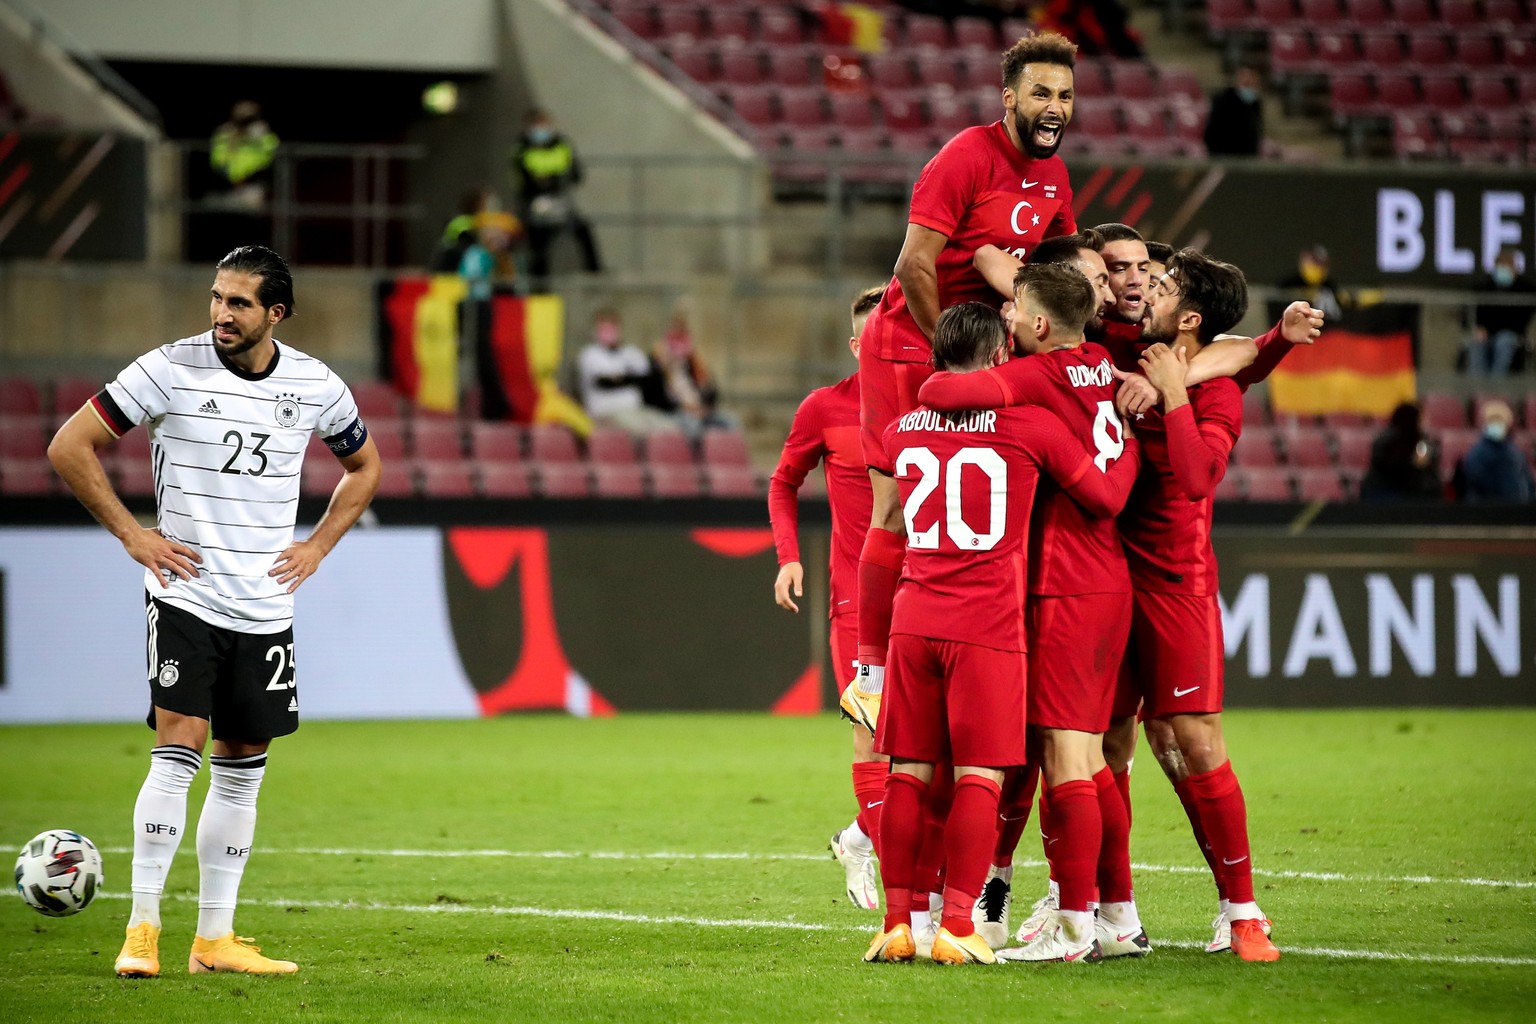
(870, 807)
(1180, 693)
(1030, 184)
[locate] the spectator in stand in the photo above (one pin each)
(614, 377)
(1235, 126)
(242, 152)
(1495, 469)
(1313, 281)
(1498, 346)
(547, 172)
(1403, 461)
(690, 389)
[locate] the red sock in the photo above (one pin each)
(879, 571)
(969, 838)
(930, 856)
(1186, 795)
(869, 792)
(1114, 872)
(1046, 834)
(1123, 784)
(1076, 832)
(1013, 812)
(1225, 818)
(901, 830)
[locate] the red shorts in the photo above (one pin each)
(1176, 661)
(886, 390)
(1076, 645)
(843, 632)
(951, 701)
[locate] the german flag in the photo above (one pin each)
(516, 341)
(1363, 364)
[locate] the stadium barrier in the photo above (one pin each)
(612, 607)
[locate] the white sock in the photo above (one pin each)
(1054, 891)
(921, 919)
(1243, 912)
(871, 678)
(1076, 925)
(1120, 916)
(159, 818)
(1224, 906)
(224, 834)
(854, 836)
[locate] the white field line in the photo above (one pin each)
(1171, 869)
(622, 917)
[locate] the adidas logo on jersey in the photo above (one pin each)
(211, 408)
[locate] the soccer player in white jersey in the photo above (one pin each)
(229, 413)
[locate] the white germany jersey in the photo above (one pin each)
(227, 448)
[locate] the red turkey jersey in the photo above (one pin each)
(967, 483)
(978, 190)
(826, 430)
(1167, 523)
(1071, 551)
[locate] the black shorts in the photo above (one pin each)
(243, 683)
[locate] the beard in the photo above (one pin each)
(1093, 330)
(1154, 331)
(239, 346)
(1026, 132)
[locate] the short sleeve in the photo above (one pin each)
(140, 394)
(340, 425)
(945, 189)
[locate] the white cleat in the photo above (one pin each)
(1041, 915)
(858, 861)
(1221, 940)
(1053, 946)
(1113, 941)
(990, 914)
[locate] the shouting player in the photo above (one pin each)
(1001, 184)
(957, 651)
(826, 430)
(229, 413)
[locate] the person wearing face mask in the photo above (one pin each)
(1495, 469)
(1497, 345)
(1236, 123)
(547, 172)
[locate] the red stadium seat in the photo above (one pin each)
(439, 440)
(804, 107)
(901, 115)
(742, 67)
(506, 480)
(1442, 412)
(1367, 13)
(551, 443)
(673, 20)
(1307, 447)
(1477, 51)
(376, 398)
(1335, 48)
(134, 446)
(1319, 485)
(890, 71)
(496, 442)
(1256, 447)
(976, 32)
(1255, 409)
(618, 481)
(980, 70)
(789, 67)
(852, 110)
(780, 26)
(137, 479)
(70, 393)
(563, 480)
(639, 18)
(1416, 136)
(951, 115)
(1381, 51)
(1134, 80)
(317, 480)
(731, 24)
(1091, 78)
(1520, 54)
(24, 437)
(1506, 14)
(731, 482)
(1223, 16)
(1412, 12)
(447, 480)
(1097, 119)
(1397, 91)
(927, 30)
(1321, 12)
(695, 61)
(669, 481)
(398, 479)
(388, 436)
(20, 396)
(1488, 92)
(1444, 92)
(1181, 83)
(28, 476)
(668, 448)
(1268, 484)
(939, 73)
(1458, 12)
(1273, 13)
(1429, 49)
(753, 103)
(611, 446)
(1289, 52)
(1355, 446)
(724, 448)
(1350, 95)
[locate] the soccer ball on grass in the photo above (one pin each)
(58, 873)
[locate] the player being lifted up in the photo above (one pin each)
(1001, 184)
(957, 667)
(229, 413)
(826, 430)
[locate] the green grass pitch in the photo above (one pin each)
(673, 868)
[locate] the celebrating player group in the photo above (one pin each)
(1044, 414)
